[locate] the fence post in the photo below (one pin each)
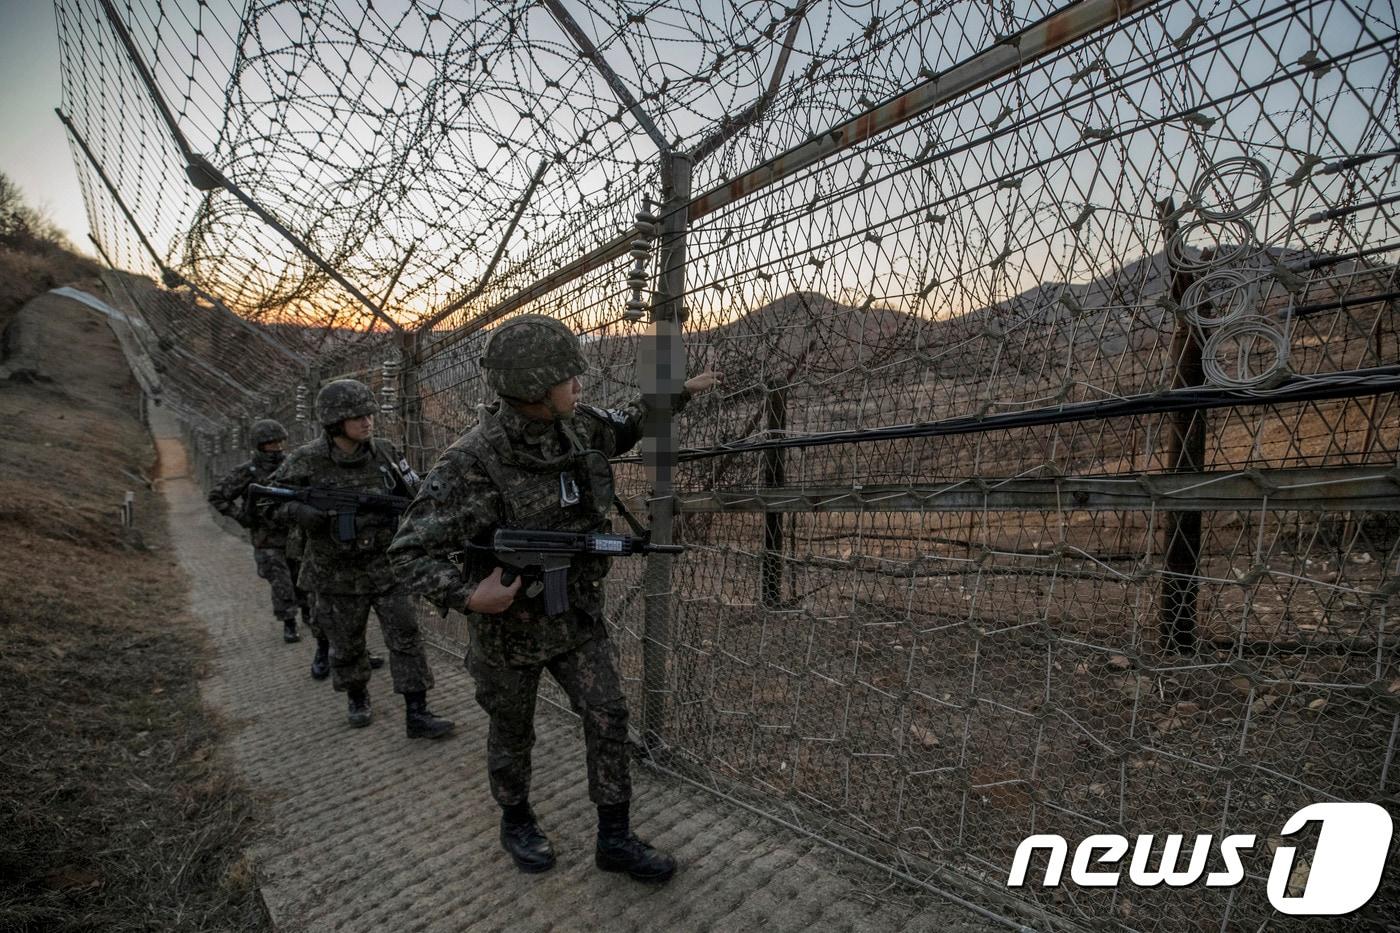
(661, 374)
(1186, 452)
(774, 473)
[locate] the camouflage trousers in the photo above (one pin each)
(280, 572)
(343, 617)
(589, 676)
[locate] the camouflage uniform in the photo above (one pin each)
(508, 472)
(296, 546)
(269, 539)
(347, 580)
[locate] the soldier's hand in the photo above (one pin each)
(308, 517)
(704, 381)
(365, 521)
(491, 596)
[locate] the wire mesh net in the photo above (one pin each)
(1052, 484)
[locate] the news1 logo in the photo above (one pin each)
(1344, 874)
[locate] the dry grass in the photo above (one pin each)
(25, 274)
(118, 808)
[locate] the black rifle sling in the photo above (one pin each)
(637, 528)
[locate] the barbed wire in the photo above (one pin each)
(1051, 485)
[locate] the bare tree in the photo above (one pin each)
(23, 226)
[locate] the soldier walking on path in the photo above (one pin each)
(321, 660)
(229, 496)
(349, 577)
(536, 460)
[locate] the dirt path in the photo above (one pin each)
(369, 831)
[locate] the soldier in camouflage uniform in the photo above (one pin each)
(536, 460)
(229, 496)
(321, 660)
(350, 578)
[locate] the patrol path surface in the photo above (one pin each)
(371, 831)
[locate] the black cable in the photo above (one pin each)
(1354, 384)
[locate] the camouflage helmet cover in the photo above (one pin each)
(344, 398)
(265, 432)
(529, 355)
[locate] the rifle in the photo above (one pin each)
(549, 553)
(342, 504)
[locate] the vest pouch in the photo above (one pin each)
(596, 482)
(532, 501)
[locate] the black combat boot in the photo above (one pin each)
(321, 660)
(620, 850)
(289, 630)
(422, 723)
(524, 841)
(359, 713)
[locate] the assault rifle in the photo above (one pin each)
(523, 552)
(343, 505)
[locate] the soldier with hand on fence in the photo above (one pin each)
(230, 497)
(349, 577)
(537, 459)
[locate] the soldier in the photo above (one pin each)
(229, 496)
(536, 459)
(347, 579)
(321, 660)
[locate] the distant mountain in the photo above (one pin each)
(1119, 320)
(808, 333)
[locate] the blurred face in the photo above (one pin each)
(358, 429)
(564, 396)
(271, 447)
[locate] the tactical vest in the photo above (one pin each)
(571, 492)
(379, 475)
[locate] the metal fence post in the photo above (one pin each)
(1186, 452)
(774, 473)
(661, 374)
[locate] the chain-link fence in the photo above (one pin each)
(1053, 484)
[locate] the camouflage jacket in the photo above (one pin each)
(513, 472)
(328, 565)
(229, 496)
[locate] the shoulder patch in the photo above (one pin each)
(436, 488)
(609, 416)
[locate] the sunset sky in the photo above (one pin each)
(33, 150)
(457, 186)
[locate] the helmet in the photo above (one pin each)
(529, 355)
(344, 398)
(265, 432)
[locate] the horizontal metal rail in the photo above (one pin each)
(1010, 54)
(1355, 383)
(1308, 489)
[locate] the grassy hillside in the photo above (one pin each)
(118, 808)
